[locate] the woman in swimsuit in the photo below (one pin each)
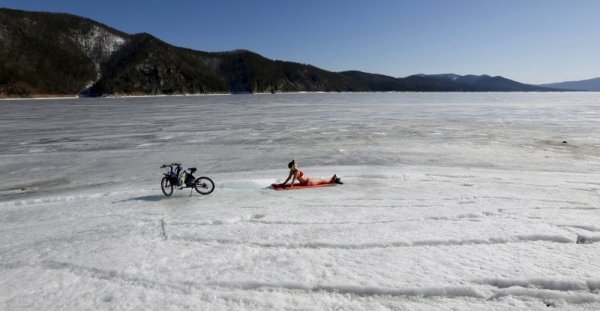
(297, 174)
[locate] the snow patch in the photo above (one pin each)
(561, 285)
(586, 239)
(99, 44)
(376, 245)
(246, 184)
(218, 222)
(448, 291)
(117, 277)
(47, 200)
(569, 297)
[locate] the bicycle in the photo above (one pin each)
(176, 178)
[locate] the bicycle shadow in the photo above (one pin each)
(158, 197)
(148, 198)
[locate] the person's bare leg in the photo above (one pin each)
(317, 181)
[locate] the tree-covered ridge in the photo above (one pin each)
(42, 53)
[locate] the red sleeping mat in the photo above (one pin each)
(298, 186)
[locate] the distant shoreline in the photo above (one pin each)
(51, 97)
(41, 97)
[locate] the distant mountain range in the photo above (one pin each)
(581, 85)
(62, 54)
(442, 83)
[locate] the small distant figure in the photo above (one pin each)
(564, 141)
(297, 174)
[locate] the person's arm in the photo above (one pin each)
(289, 176)
(293, 180)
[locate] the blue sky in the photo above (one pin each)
(532, 41)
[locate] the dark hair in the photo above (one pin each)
(291, 163)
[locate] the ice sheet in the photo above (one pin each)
(451, 200)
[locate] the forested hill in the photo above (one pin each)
(60, 54)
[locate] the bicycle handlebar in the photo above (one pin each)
(170, 165)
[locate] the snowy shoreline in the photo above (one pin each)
(60, 97)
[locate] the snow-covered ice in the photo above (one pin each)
(451, 201)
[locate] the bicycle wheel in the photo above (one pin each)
(204, 185)
(166, 186)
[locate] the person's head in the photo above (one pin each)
(292, 164)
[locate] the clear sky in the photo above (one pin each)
(532, 41)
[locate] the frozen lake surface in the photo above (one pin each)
(451, 200)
